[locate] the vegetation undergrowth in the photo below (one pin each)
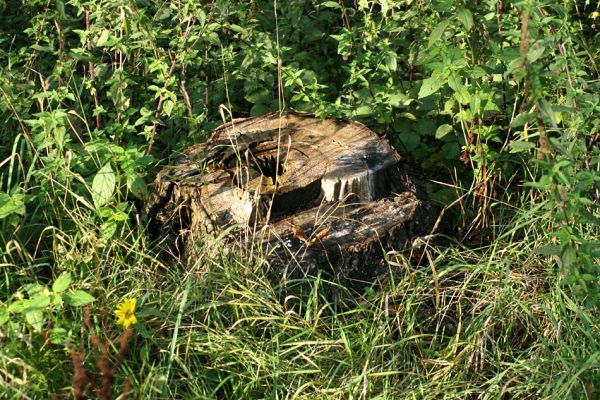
(494, 105)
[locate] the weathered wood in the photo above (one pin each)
(285, 175)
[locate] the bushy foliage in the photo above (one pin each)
(499, 98)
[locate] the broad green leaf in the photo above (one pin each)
(78, 298)
(548, 112)
(41, 48)
(465, 16)
(522, 119)
(407, 115)
(237, 28)
(520, 145)
(103, 38)
(330, 4)
(475, 103)
(11, 204)
(410, 140)
(460, 91)
(430, 86)
(4, 316)
(62, 283)
(260, 95)
(437, 32)
(39, 302)
(201, 15)
(398, 99)
(259, 109)
(108, 229)
(425, 127)
(442, 131)
(535, 51)
(589, 277)
(391, 62)
(103, 185)
(35, 319)
(569, 256)
(548, 250)
(168, 107)
(137, 186)
(163, 13)
(363, 111)
(58, 336)
(451, 150)
(213, 38)
(18, 306)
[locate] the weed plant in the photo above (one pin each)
(493, 104)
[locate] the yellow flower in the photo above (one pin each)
(125, 312)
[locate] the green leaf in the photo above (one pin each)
(137, 186)
(408, 115)
(17, 307)
(569, 256)
(259, 109)
(259, 95)
(535, 51)
(38, 302)
(410, 140)
(62, 283)
(213, 38)
(59, 336)
(460, 91)
(35, 319)
(103, 185)
(168, 107)
(330, 4)
(522, 119)
(78, 298)
(11, 204)
(108, 229)
(391, 62)
(465, 16)
(363, 111)
(520, 145)
(548, 250)
(201, 15)
(437, 32)
(451, 150)
(430, 86)
(442, 131)
(4, 316)
(237, 28)
(398, 99)
(103, 38)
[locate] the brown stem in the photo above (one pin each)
(186, 99)
(544, 144)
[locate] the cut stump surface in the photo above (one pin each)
(312, 192)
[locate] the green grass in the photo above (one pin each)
(495, 325)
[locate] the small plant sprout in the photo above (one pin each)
(126, 313)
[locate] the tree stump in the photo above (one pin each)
(312, 193)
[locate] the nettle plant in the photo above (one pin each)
(572, 184)
(41, 309)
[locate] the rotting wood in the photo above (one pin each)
(313, 192)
